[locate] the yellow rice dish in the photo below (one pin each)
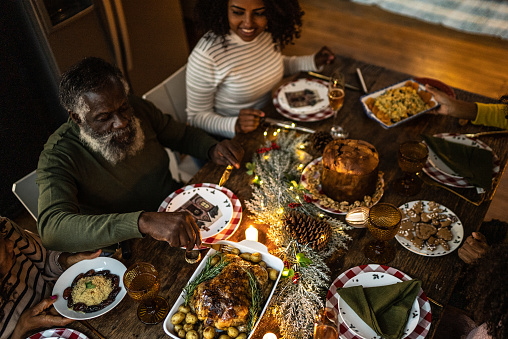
(92, 290)
(400, 103)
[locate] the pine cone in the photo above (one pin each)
(307, 230)
(319, 140)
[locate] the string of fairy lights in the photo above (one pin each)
(300, 295)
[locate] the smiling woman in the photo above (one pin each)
(237, 62)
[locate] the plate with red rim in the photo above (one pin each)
(318, 108)
(227, 202)
(437, 84)
(439, 171)
(332, 300)
(60, 333)
(316, 200)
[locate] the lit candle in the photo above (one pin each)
(269, 335)
(251, 233)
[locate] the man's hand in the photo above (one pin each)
(248, 120)
(324, 57)
(227, 152)
(178, 229)
(37, 318)
(66, 259)
(474, 247)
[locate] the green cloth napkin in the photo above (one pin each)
(384, 308)
(472, 163)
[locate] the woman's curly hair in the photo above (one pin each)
(284, 19)
(487, 292)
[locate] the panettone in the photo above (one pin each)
(350, 170)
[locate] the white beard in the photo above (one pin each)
(106, 144)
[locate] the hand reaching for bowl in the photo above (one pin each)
(451, 106)
(474, 247)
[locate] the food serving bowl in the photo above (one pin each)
(364, 99)
(244, 246)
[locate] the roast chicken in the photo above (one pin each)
(224, 301)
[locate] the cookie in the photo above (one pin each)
(417, 242)
(406, 227)
(444, 233)
(413, 216)
(446, 222)
(424, 231)
(443, 243)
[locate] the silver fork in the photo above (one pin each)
(479, 134)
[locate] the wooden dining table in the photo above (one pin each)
(439, 275)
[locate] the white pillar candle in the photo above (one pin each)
(251, 233)
(269, 335)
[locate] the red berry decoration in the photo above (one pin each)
(296, 277)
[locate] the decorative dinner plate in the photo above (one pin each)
(455, 227)
(376, 94)
(424, 319)
(439, 171)
(216, 209)
(303, 100)
(311, 177)
(59, 333)
(355, 323)
(437, 84)
(67, 277)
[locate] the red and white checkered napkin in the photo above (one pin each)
(236, 218)
(421, 329)
(59, 332)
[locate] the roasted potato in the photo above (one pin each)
(191, 318)
(177, 318)
(178, 327)
(184, 309)
(235, 251)
(255, 257)
(209, 332)
(224, 336)
(181, 333)
(242, 335)
(272, 273)
(215, 260)
(245, 256)
(192, 335)
(233, 332)
(262, 264)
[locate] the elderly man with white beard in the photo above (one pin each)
(104, 172)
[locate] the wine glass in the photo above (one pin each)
(336, 94)
(326, 325)
(383, 223)
(412, 157)
(141, 281)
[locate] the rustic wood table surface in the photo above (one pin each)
(439, 275)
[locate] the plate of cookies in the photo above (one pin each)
(429, 228)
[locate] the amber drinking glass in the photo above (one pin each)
(326, 325)
(336, 94)
(412, 157)
(383, 223)
(141, 281)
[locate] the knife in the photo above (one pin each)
(225, 175)
(324, 77)
(288, 125)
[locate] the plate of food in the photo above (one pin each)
(58, 333)
(239, 273)
(90, 288)
(423, 320)
(216, 209)
(439, 171)
(303, 100)
(429, 228)
(353, 320)
(398, 103)
(310, 180)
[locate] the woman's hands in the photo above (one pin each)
(324, 57)
(37, 318)
(227, 152)
(248, 120)
(451, 106)
(474, 247)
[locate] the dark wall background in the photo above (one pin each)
(29, 109)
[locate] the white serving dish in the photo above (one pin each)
(376, 94)
(244, 246)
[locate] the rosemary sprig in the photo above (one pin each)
(256, 301)
(209, 272)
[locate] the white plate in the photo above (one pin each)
(376, 94)
(373, 279)
(456, 228)
(244, 246)
(66, 279)
(315, 89)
